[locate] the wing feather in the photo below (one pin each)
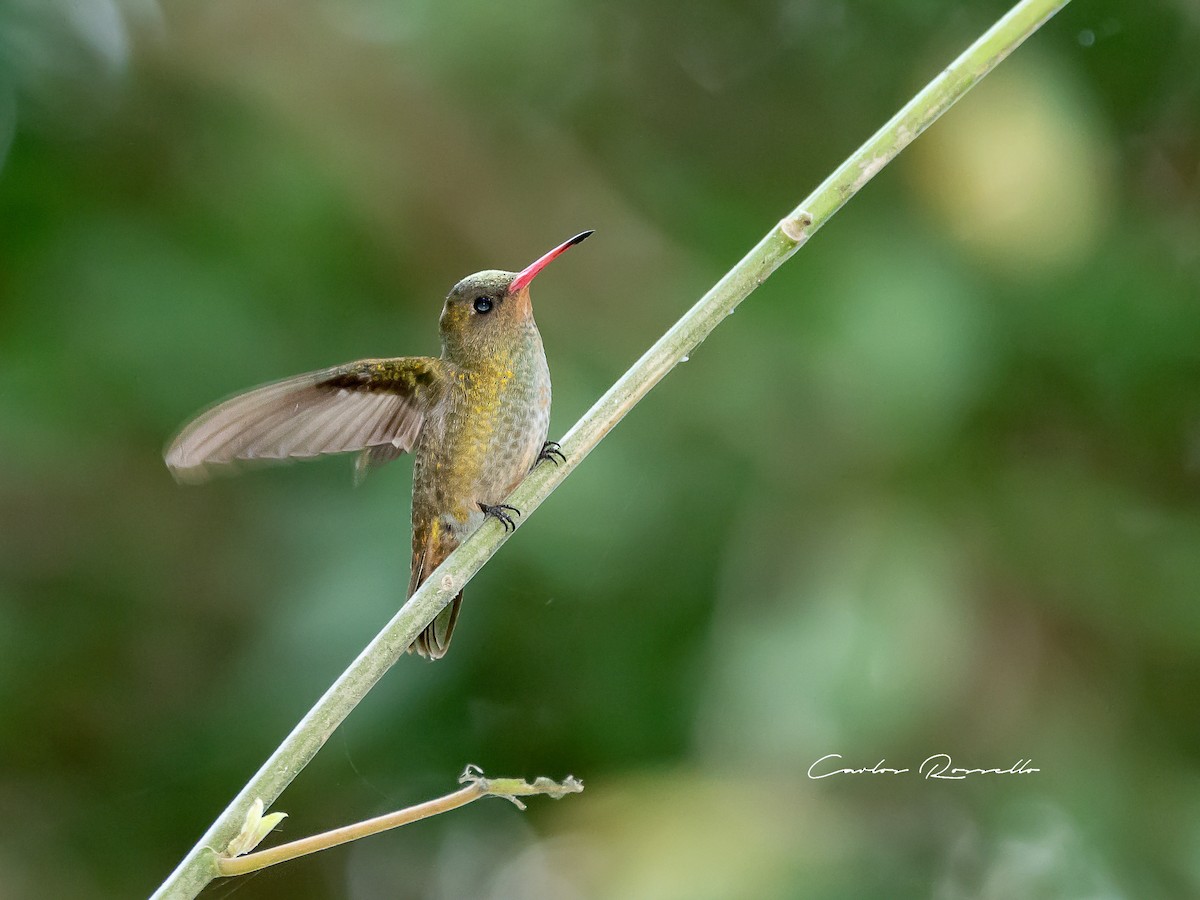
(359, 406)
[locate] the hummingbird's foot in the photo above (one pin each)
(501, 511)
(552, 451)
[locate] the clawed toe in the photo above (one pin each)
(552, 451)
(501, 511)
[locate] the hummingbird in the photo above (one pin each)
(478, 417)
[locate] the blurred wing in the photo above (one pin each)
(374, 457)
(376, 405)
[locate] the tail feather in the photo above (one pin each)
(430, 546)
(434, 641)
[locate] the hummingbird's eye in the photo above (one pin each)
(483, 304)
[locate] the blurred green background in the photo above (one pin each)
(933, 490)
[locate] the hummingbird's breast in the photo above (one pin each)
(485, 435)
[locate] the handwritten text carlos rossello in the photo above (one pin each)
(939, 766)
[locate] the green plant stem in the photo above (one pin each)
(199, 867)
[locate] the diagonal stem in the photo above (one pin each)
(199, 867)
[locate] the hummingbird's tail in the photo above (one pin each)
(430, 546)
(434, 641)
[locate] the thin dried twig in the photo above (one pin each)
(477, 786)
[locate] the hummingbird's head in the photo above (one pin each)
(484, 312)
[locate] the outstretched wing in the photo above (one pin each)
(374, 405)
